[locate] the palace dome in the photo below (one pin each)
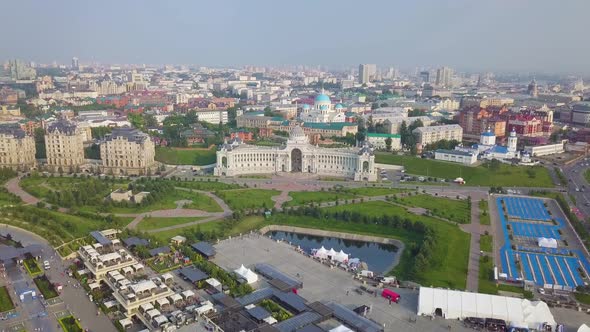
(322, 98)
(297, 133)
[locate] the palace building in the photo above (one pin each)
(64, 143)
(296, 156)
(17, 149)
(127, 151)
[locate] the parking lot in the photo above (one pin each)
(321, 283)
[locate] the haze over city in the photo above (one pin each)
(519, 36)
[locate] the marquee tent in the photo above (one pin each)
(584, 328)
(341, 256)
(331, 253)
(452, 304)
(321, 253)
(547, 242)
(246, 274)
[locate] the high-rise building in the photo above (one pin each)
(444, 77)
(17, 149)
(532, 89)
(127, 151)
(367, 73)
(21, 71)
(425, 76)
(75, 63)
(64, 143)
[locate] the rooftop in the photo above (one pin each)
(455, 152)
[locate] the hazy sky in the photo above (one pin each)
(505, 35)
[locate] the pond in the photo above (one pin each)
(379, 257)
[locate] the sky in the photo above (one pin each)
(471, 35)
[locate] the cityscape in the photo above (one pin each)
(289, 169)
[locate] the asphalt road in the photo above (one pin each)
(575, 175)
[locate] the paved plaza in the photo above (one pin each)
(325, 284)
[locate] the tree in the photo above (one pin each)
(388, 143)
(40, 152)
(150, 121)
(136, 120)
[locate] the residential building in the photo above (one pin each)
(127, 151)
(379, 141)
(213, 116)
(17, 149)
(243, 135)
(19, 70)
(455, 156)
(8, 96)
(444, 77)
(64, 143)
(9, 111)
(297, 156)
(475, 120)
(581, 113)
(75, 63)
(367, 73)
(433, 134)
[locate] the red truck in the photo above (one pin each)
(390, 295)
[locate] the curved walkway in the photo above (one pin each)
(14, 187)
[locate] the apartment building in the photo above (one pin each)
(64, 143)
(433, 134)
(17, 149)
(127, 151)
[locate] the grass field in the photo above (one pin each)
(305, 197)
(451, 252)
(239, 199)
(174, 156)
(206, 185)
(32, 267)
(45, 287)
(155, 223)
(203, 202)
(486, 243)
(582, 298)
(5, 300)
(165, 236)
(368, 191)
(199, 202)
(484, 212)
(506, 175)
(486, 275)
(452, 209)
(70, 324)
(39, 186)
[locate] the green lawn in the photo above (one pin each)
(199, 202)
(452, 209)
(203, 202)
(451, 252)
(486, 243)
(165, 236)
(306, 197)
(505, 176)
(173, 156)
(206, 185)
(582, 298)
(369, 191)
(155, 223)
(39, 186)
(246, 224)
(32, 267)
(70, 324)
(45, 287)
(239, 199)
(486, 276)
(484, 212)
(6, 303)
(586, 175)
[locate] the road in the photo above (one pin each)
(33, 312)
(575, 175)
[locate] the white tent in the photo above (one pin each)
(341, 256)
(321, 253)
(247, 274)
(331, 253)
(547, 242)
(459, 305)
(341, 328)
(584, 328)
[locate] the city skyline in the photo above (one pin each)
(526, 36)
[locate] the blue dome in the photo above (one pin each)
(488, 133)
(339, 106)
(324, 107)
(322, 98)
(305, 106)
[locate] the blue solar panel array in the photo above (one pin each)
(541, 265)
(526, 208)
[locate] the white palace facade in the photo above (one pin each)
(296, 156)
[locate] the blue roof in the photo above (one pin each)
(100, 238)
(339, 106)
(159, 250)
(322, 98)
(499, 149)
(259, 313)
(488, 133)
(305, 107)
